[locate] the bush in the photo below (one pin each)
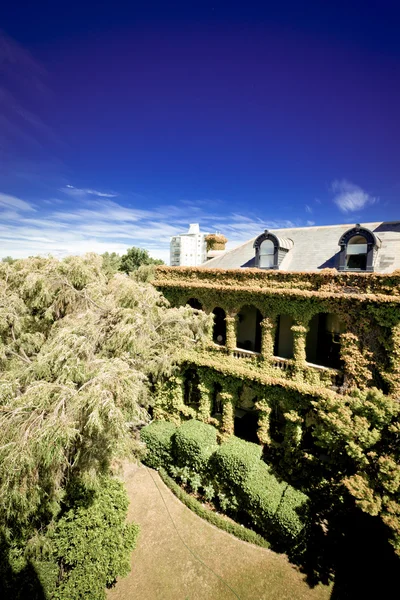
(223, 523)
(158, 439)
(292, 514)
(92, 543)
(261, 495)
(80, 555)
(233, 475)
(234, 460)
(275, 507)
(193, 444)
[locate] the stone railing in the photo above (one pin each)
(326, 375)
(284, 364)
(242, 353)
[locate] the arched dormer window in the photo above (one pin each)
(270, 250)
(358, 247)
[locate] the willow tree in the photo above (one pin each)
(77, 351)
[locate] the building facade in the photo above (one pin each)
(299, 315)
(188, 249)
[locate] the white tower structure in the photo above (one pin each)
(188, 249)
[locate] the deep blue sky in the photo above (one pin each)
(120, 125)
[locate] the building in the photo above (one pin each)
(300, 314)
(188, 249)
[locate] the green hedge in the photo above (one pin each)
(192, 445)
(158, 439)
(234, 460)
(292, 513)
(274, 506)
(233, 473)
(243, 533)
(262, 493)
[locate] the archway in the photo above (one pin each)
(216, 401)
(248, 332)
(191, 388)
(219, 328)
(284, 337)
(194, 303)
(323, 340)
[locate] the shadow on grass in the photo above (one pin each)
(353, 550)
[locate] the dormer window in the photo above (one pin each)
(266, 255)
(270, 250)
(358, 247)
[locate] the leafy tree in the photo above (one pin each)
(362, 438)
(8, 259)
(111, 263)
(135, 258)
(78, 351)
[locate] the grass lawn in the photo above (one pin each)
(163, 565)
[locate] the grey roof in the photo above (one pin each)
(317, 248)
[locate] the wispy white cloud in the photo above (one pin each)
(350, 197)
(308, 209)
(71, 190)
(101, 224)
(7, 202)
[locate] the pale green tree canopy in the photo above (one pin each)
(76, 351)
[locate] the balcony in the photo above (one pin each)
(324, 376)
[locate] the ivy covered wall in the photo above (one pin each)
(368, 306)
(326, 431)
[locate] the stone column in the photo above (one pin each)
(263, 422)
(230, 332)
(293, 429)
(267, 338)
(205, 388)
(228, 415)
(299, 329)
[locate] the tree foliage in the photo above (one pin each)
(135, 258)
(362, 437)
(77, 352)
(111, 263)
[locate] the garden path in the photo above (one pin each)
(180, 556)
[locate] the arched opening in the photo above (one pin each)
(246, 415)
(323, 340)
(277, 424)
(216, 401)
(284, 337)
(194, 303)
(246, 425)
(191, 388)
(219, 328)
(248, 332)
(356, 253)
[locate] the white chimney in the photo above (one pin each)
(194, 228)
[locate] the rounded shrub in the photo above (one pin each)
(193, 443)
(292, 514)
(262, 493)
(234, 460)
(158, 439)
(275, 507)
